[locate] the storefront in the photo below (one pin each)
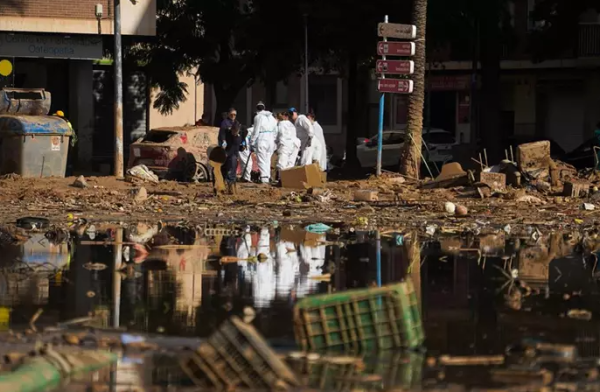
(62, 65)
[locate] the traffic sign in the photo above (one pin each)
(396, 48)
(397, 67)
(395, 86)
(394, 30)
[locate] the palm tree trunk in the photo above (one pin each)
(411, 155)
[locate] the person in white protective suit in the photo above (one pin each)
(288, 268)
(245, 158)
(245, 250)
(264, 283)
(310, 147)
(288, 144)
(319, 134)
(263, 140)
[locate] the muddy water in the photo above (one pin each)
(478, 296)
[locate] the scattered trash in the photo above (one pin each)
(430, 229)
(461, 210)
(80, 182)
(580, 314)
(318, 228)
(140, 195)
(365, 195)
(522, 376)
(32, 223)
(450, 207)
(588, 207)
(141, 172)
(576, 189)
(530, 199)
(447, 360)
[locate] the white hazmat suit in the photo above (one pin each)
(245, 158)
(263, 142)
(288, 145)
(322, 157)
(310, 147)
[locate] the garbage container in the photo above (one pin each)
(33, 101)
(34, 146)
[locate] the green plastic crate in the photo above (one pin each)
(358, 320)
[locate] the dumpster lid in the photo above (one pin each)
(33, 125)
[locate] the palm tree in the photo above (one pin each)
(411, 154)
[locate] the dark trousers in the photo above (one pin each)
(229, 168)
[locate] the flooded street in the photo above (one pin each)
(477, 296)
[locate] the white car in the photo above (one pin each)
(439, 145)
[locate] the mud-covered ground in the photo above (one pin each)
(401, 205)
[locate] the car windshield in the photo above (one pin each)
(158, 136)
(438, 138)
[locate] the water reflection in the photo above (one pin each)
(477, 294)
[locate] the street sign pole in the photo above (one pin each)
(381, 113)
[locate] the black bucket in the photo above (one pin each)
(217, 154)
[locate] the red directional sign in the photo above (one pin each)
(395, 86)
(396, 48)
(397, 67)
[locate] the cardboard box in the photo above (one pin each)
(496, 181)
(533, 155)
(576, 189)
(366, 195)
(302, 177)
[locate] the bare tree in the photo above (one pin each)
(410, 160)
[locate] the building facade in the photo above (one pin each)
(53, 45)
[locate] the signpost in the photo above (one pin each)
(397, 67)
(396, 48)
(393, 67)
(399, 31)
(395, 86)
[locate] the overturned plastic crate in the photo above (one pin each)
(237, 356)
(360, 320)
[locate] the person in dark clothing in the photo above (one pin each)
(234, 143)
(226, 125)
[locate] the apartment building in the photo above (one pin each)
(53, 45)
(558, 98)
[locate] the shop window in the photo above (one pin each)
(323, 98)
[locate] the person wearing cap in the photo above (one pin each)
(309, 145)
(263, 140)
(226, 126)
(319, 134)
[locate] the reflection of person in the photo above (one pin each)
(263, 283)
